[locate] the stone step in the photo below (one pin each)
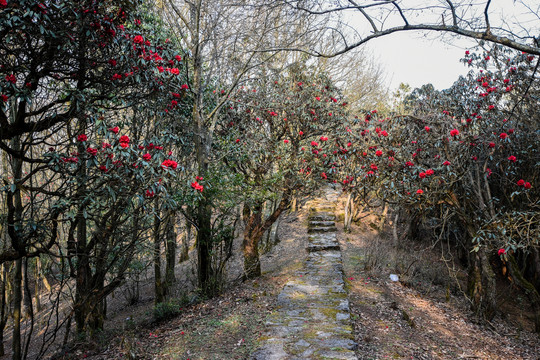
(317, 223)
(322, 216)
(321, 229)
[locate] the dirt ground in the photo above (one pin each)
(422, 316)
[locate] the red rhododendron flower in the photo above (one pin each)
(491, 107)
(429, 172)
(384, 133)
(501, 252)
(149, 193)
(114, 129)
(199, 178)
(313, 143)
(491, 145)
(174, 103)
(117, 77)
(112, 62)
(124, 139)
(82, 138)
(124, 145)
(300, 133)
(237, 141)
(422, 175)
(185, 86)
(169, 164)
(103, 168)
(454, 132)
(503, 136)
(178, 58)
(427, 128)
(138, 39)
(3, 3)
(420, 191)
(378, 153)
(4, 97)
(323, 175)
(175, 71)
(147, 156)
(512, 158)
(408, 163)
(197, 186)
(318, 98)
(11, 78)
(510, 131)
(521, 182)
(91, 151)
(324, 138)
(446, 163)
(527, 185)
(285, 141)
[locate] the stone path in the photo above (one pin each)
(313, 318)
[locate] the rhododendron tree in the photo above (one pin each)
(272, 161)
(470, 170)
(71, 72)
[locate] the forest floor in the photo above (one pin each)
(424, 315)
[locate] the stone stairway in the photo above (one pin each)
(313, 317)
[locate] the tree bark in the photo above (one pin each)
(481, 285)
(170, 252)
(158, 284)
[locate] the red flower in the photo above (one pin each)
(501, 252)
(324, 138)
(117, 77)
(124, 145)
(199, 178)
(527, 185)
(114, 129)
(169, 164)
(408, 163)
(11, 78)
(384, 133)
(178, 58)
(149, 193)
(323, 175)
(420, 191)
(237, 141)
(197, 186)
(313, 143)
(138, 39)
(318, 98)
(91, 151)
(521, 182)
(3, 3)
(503, 136)
(285, 141)
(82, 138)
(491, 107)
(378, 153)
(185, 86)
(3, 96)
(512, 158)
(510, 131)
(112, 62)
(429, 172)
(454, 132)
(174, 103)
(175, 71)
(427, 128)
(446, 163)
(103, 168)
(422, 175)
(491, 145)
(147, 156)
(124, 139)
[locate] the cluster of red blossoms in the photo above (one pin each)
(526, 185)
(169, 164)
(196, 185)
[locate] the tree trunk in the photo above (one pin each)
(3, 306)
(250, 245)
(158, 285)
(170, 254)
(481, 285)
(206, 277)
(17, 305)
(186, 238)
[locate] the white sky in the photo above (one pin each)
(416, 60)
